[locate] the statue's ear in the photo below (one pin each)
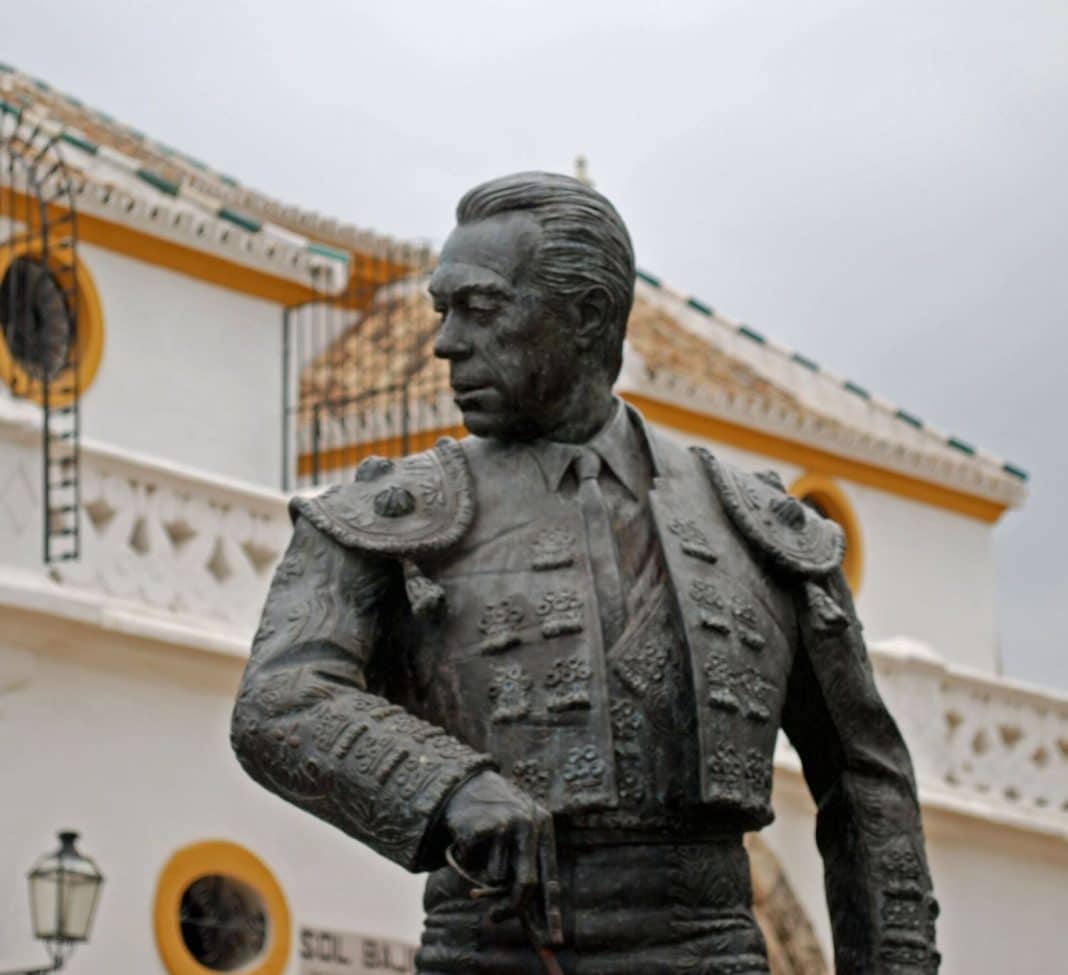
(594, 311)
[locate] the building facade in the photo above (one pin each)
(233, 349)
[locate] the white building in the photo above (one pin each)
(118, 669)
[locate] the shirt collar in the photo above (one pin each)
(616, 444)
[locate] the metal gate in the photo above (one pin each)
(39, 309)
(358, 373)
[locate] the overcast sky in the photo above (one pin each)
(883, 186)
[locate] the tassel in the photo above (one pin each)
(426, 597)
(829, 615)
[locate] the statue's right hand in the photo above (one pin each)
(500, 833)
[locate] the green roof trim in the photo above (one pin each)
(805, 361)
(76, 102)
(79, 143)
(701, 307)
(6, 68)
(648, 278)
(1015, 471)
(910, 419)
(753, 334)
(228, 180)
(856, 390)
(7, 108)
(245, 223)
(330, 252)
(162, 184)
(963, 446)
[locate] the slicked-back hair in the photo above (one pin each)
(584, 242)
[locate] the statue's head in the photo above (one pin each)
(534, 287)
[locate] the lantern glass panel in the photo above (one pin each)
(44, 899)
(63, 893)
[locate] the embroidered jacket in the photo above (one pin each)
(437, 617)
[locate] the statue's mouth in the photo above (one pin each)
(469, 395)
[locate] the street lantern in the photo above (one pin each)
(64, 887)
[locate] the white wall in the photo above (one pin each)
(191, 372)
(128, 744)
(928, 573)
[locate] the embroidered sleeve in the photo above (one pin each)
(305, 725)
(859, 772)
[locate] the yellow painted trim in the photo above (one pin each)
(90, 337)
(833, 500)
(218, 857)
(213, 269)
(338, 458)
(904, 485)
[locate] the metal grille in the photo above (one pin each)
(359, 376)
(39, 310)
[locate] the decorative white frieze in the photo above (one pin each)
(156, 536)
(976, 737)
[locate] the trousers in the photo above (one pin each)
(628, 909)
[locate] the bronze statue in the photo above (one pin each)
(549, 662)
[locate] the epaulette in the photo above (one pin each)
(407, 508)
(793, 536)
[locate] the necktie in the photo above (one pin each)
(601, 543)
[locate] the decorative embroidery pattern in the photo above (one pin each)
(720, 680)
(499, 626)
(713, 607)
(738, 775)
(904, 910)
(756, 690)
(694, 541)
(510, 692)
(568, 684)
(584, 769)
(747, 619)
(643, 667)
(627, 720)
(553, 548)
(561, 613)
(529, 775)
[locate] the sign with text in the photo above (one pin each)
(324, 952)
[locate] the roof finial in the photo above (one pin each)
(582, 171)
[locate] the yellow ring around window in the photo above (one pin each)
(90, 339)
(191, 863)
(832, 499)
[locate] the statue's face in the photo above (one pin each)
(513, 361)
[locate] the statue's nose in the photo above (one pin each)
(449, 343)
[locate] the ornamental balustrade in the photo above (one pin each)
(155, 536)
(182, 546)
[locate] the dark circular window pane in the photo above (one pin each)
(37, 323)
(224, 923)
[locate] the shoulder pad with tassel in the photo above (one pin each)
(405, 508)
(794, 537)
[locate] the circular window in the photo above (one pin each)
(224, 922)
(37, 318)
(220, 909)
(51, 326)
(823, 495)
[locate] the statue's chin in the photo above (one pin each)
(496, 426)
